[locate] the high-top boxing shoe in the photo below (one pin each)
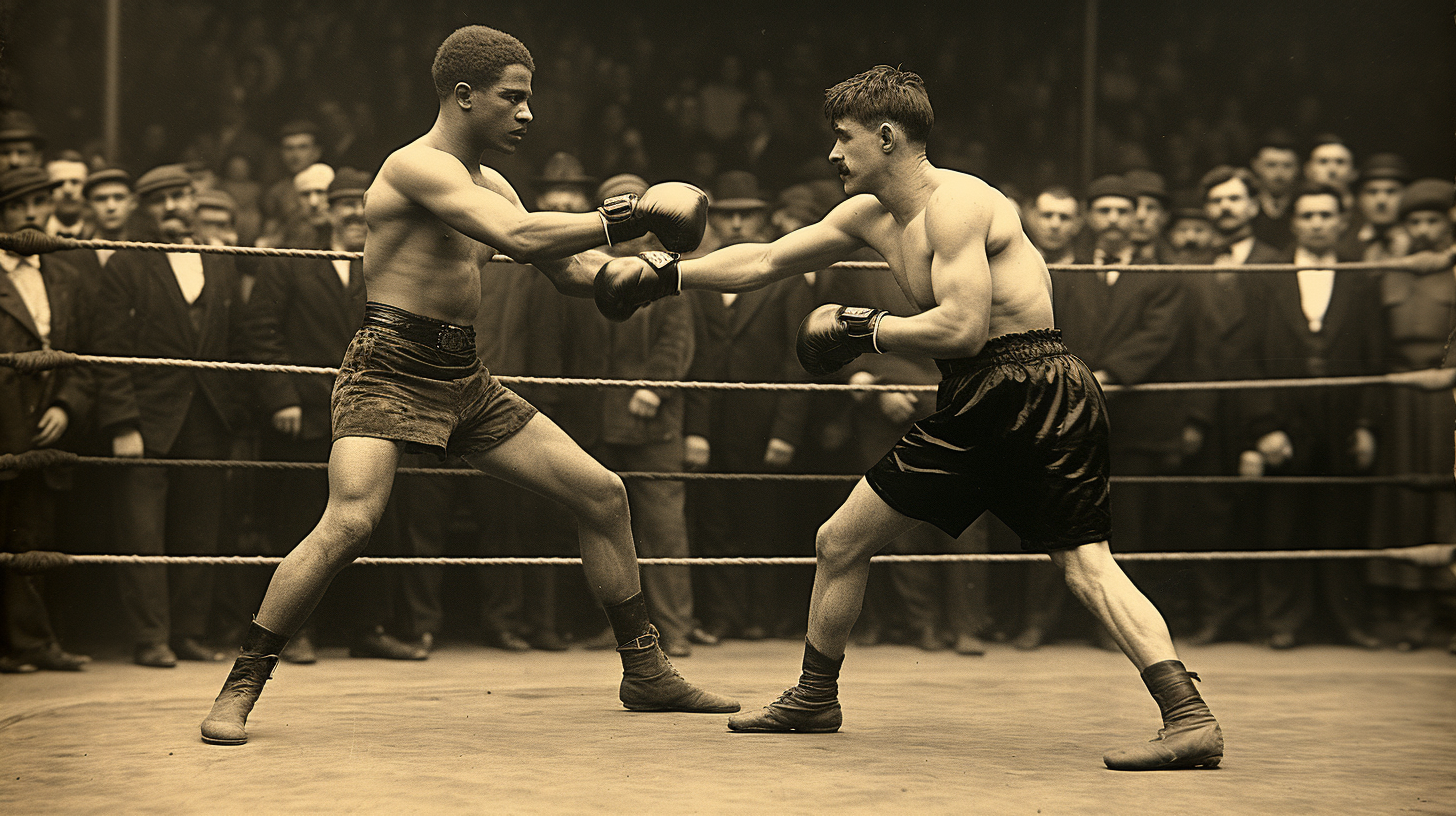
(811, 707)
(650, 683)
(225, 724)
(1190, 736)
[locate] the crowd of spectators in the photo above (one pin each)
(284, 158)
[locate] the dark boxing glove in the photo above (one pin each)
(676, 212)
(832, 335)
(624, 285)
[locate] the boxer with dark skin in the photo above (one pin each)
(410, 379)
(1020, 427)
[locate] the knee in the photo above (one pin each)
(346, 529)
(833, 548)
(603, 500)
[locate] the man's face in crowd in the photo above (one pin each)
(346, 217)
(1054, 222)
(1428, 230)
(739, 226)
(216, 226)
(1379, 201)
(1110, 217)
(1192, 234)
(21, 153)
(1317, 222)
(72, 176)
(1330, 164)
(1149, 217)
(1277, 168)
(29, 211)
(299, 151)
(112, 203)
(314, 201)
(563, 199)
(502, 111)
(1229, 206)
(173, 209)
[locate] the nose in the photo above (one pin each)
(524, 114)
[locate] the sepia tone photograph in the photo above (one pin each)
(566, 407)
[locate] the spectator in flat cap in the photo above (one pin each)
(21, 142)
(1149, 215)
(109, 195)
(217, 218)
(1192, 238)
(1111, 201)
(1375, 233)
(564, 186)
(43, 308)
(168, 205)
(1415, 435)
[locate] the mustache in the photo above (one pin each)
(354, 220)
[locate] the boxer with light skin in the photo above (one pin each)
(411, 379)
(1020, 427)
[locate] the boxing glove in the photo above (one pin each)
(676, 212)
(832, 335)
(624, 285)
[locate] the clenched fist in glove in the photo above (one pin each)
(624, 285)
(832, 335)
(676, 212)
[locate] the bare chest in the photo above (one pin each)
(907, 251)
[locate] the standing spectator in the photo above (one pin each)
(304, 312)
(1330, 162)
(21, 142)
(1276, 165)
(42, 306)
(563, 185)
(177, 305)
(1316, 323)
(237, 181)
(747, 337)
(1126, 326)
(639, 429)
(310, 227)
(69, 220)
(1149, 216)
(298, 147)
(216, 218)
(1378, 235)
(1054, 222)
(109, 194)
(1415, 434)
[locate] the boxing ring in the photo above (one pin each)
(1322, 729)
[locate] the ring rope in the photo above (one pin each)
(46, 457)
(32, 242)
(1431, 379)
(1426, 554)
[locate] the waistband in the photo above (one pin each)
(1022, 347)
(426, 331)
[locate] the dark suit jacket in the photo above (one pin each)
(1351, 342)
(751, 341)
(142, 314)
(300, 313)
(25, 397)
(1130, 330)
(655, 343)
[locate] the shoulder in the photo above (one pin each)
(963, 202)
(856, 211)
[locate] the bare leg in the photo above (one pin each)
(858, 529)
(361, 475)
(543, 459)
(1099, 583)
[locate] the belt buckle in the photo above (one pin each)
(453, 339)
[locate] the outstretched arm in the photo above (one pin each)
(743, 267)
(490, 214)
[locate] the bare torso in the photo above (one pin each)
(415, 261)
(1020, 291)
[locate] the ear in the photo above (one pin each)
(463, 93)
(886, 132)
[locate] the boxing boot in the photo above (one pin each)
(254, 666)
(1190, 736)
(650, 683)
(811, 707)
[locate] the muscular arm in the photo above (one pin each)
(957, 224)
(743, 267)
(490, 214)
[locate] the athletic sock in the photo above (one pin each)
(260, 641)
(819, 680)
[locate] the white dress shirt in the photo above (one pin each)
(24, 272)
(1315, 286)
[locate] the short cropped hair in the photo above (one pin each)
(477, 56)
(1225, 173)
(1318, 189)
(879, 94)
